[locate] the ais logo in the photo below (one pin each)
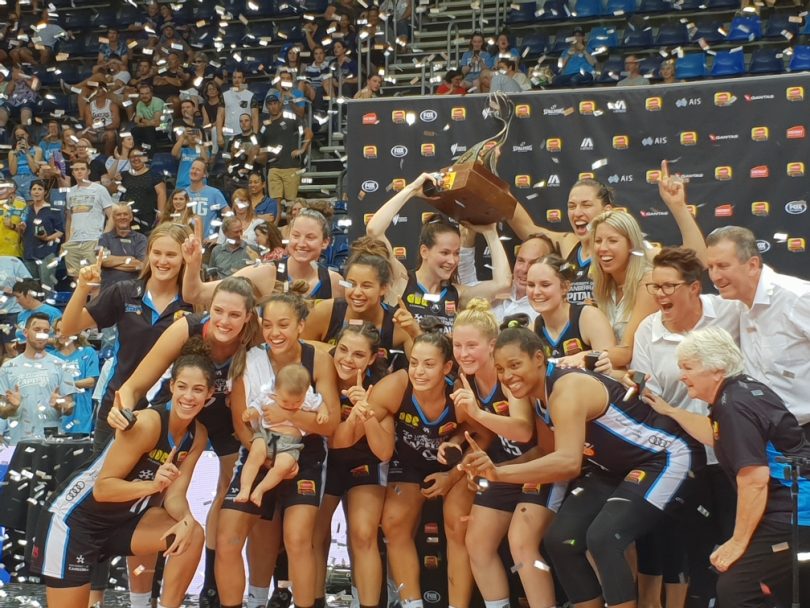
(794, 93)
(621, 142)
(761, 208)
(723, 174)
(369, 151)
(523, 110)
(554, 144)
(760, 133)
(653, 104)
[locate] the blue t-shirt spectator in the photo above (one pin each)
(576, 64)
(11, 271)
(82, 364)
(187, 156)
(54, 314)
(208, 202)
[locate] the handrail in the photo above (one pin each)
(453, 25)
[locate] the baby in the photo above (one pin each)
(280, 442)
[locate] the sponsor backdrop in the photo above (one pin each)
(741, 143)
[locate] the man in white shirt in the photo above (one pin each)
(532, 250)
(88, 213)
(775, 325)
(238, 100)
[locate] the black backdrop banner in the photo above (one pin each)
(742, 144)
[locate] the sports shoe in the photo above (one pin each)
(209, 598)
(281, 598)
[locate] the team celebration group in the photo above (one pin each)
(628, 436)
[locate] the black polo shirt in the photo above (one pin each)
(132, 245)
(127, 305)
(141, 190)
(752, 427)
(284, 132)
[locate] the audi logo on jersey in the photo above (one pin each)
(659, 441)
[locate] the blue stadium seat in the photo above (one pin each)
(128, 13)
(589, 8)
(56, 100)
(728, 63)
(260, 29)
(744, 28)
(649, 66)
(164, 164)
(234, 34)
(561, 42)
(103, 17)
(77, 45)
(709, 31)
(800, 61)
(722, 4)
(522, 12)
(689, 5)
(765, 61)
(672, 34)
(611, 71)
(536, 42)
(552, 10)
(75, 19)
(338, 250)
(290, 31)
(654, 6)
(281, 8)
(315, 6)
(602, 37)
(805, 31)
(203, 37)
(780, 23)
(634, 38)
(615, 6)
(691, 66)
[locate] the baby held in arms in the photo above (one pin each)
(279, 442)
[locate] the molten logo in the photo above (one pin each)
(760, 133)
(458, 113)
(795, 169)
(653, 104)
(760, 171)
(523, 110)
(621, 142)
(369, 151)
(761, 208)
(554, 144)
(370, 119)
(689, 138)
(724, 173)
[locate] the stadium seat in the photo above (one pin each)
(315, 6)
(800, 61)
(522, 12)
(76, 46)
(611, 71)
(103, 17)
(602, 37)
(164, 163)
(805, 31)
(728, 63)
(553, 9)
(691, 66)
(128, 13)
(613, 7)
(709, 31)
(290, 31)
(744, 29)
(561, 42)
(649, 66)
(780, 23)
(672, 34)
(260, 29)
(634, 38)
(689, 5)
(536, 42)
(203, 37)
(654, 6)
(234, 35)
(765, 61)
(589, 8)
(259, 89)
(722, 4)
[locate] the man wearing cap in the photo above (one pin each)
(280, 150)
(577, 63)
(170, 42)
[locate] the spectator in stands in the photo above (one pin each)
(81, 360)
(200, 72)
(474, 60)
(12, 270)
(270, 242)
(144, 74)
(507, 80)
(346, 33)
(38, 390)
(43, 227)
(180, 210)
(187, 148)
(124, 248)
(242, 210)
(234, 254)
(53, 164)
(372, 89)
(338, 8)
(170, 79)
(29, 296)
(118, 161)
(101, 120)
(24, 160)
(504, 48)
(576, 63)
(189, 118)
(237, 101)
(152, 19)
(12, 210)
(399, 19)
(451, 85)
(484, 82)
(171, 42)
(22, 100)
(69, 141)
(632, 66)
(148, 116)
(372, 35)
(145, 188)
(242, 150)
(87, 211)
(315, 74)
(281, 131)
(111, 47)
(667, 72)
(44, 39)
(5, 110)
(345, 72)
(208, 201)
(264, 207)
(292, 98)
(87, 153)
(213, 115)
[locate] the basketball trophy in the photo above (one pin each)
(470, 190)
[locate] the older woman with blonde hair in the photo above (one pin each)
(751, 432)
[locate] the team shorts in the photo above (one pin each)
(506, 496)
(401, 471)
(345, 473)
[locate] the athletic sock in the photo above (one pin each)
(412, 604)
(140, 600)
(257, 596)
(209, 579)
(497, 603)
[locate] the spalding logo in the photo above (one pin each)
(428, 115)
(370, 186)
(399, 151)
